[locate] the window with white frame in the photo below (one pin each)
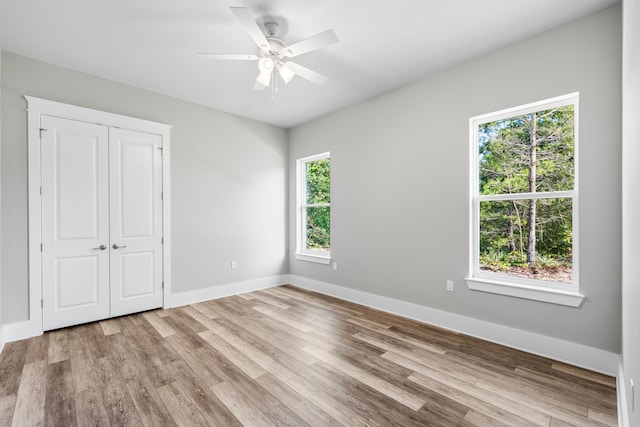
(524, 201)
(313, 214)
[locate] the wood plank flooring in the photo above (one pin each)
(287, 357)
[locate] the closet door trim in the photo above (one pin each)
(36, 107)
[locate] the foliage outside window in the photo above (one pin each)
(314, 208)
(524, 195)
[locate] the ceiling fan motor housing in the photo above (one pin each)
(276, 47)
(272, 28)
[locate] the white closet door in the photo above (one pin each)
(136, 221)
(75, 222)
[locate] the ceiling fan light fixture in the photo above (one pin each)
(265, 65)
(264, 79)
(285, 72)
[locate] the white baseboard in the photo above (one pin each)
(215, 292)
(29, 328)
(623, 414)
(553, 348)
(21, 330)
(572, 353)
(1, 339)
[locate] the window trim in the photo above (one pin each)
(302, 253)
(538, 290)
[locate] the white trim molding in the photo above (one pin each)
(221, 291)
(623, 414)
(564, 351)
(21, 330)
(518, 290)
(1, 337)
(313, 258)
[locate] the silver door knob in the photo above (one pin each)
(101, 247)
(115, 246)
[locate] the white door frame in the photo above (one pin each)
(37, 107)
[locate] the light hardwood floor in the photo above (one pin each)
(286, 356)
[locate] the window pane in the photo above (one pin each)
(527, 153)
(318, 181)
(318, 221)
(506, 246)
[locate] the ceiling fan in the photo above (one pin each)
(273, 52)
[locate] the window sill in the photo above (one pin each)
(314, 258)
(554, 296)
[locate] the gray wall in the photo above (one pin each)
(1, 335)
(228, 180)
(631, 206)
(400, 173)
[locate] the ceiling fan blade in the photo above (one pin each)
(306, 73)
(322, 39)
(224, 56)
(259, 86)
(245, 18)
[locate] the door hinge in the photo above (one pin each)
(40, 247)
(162, 195)
(41, 303)
(162, 240)
(41, 190)
(162, 285)
(42, 130)
(161, 150)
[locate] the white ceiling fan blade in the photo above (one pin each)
(322, 39)
(232, 57)
(259, 86)
(306, 73)
(245, 18)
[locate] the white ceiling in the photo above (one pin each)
(383, 44)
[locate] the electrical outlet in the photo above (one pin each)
(335, 265)
(450, 285)
(234, 265)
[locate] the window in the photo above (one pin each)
(313, 215)
(524, 201)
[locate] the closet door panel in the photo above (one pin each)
(77, 280)
(136, 221)
(136, 173)
(75, 222)
(137, 274)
